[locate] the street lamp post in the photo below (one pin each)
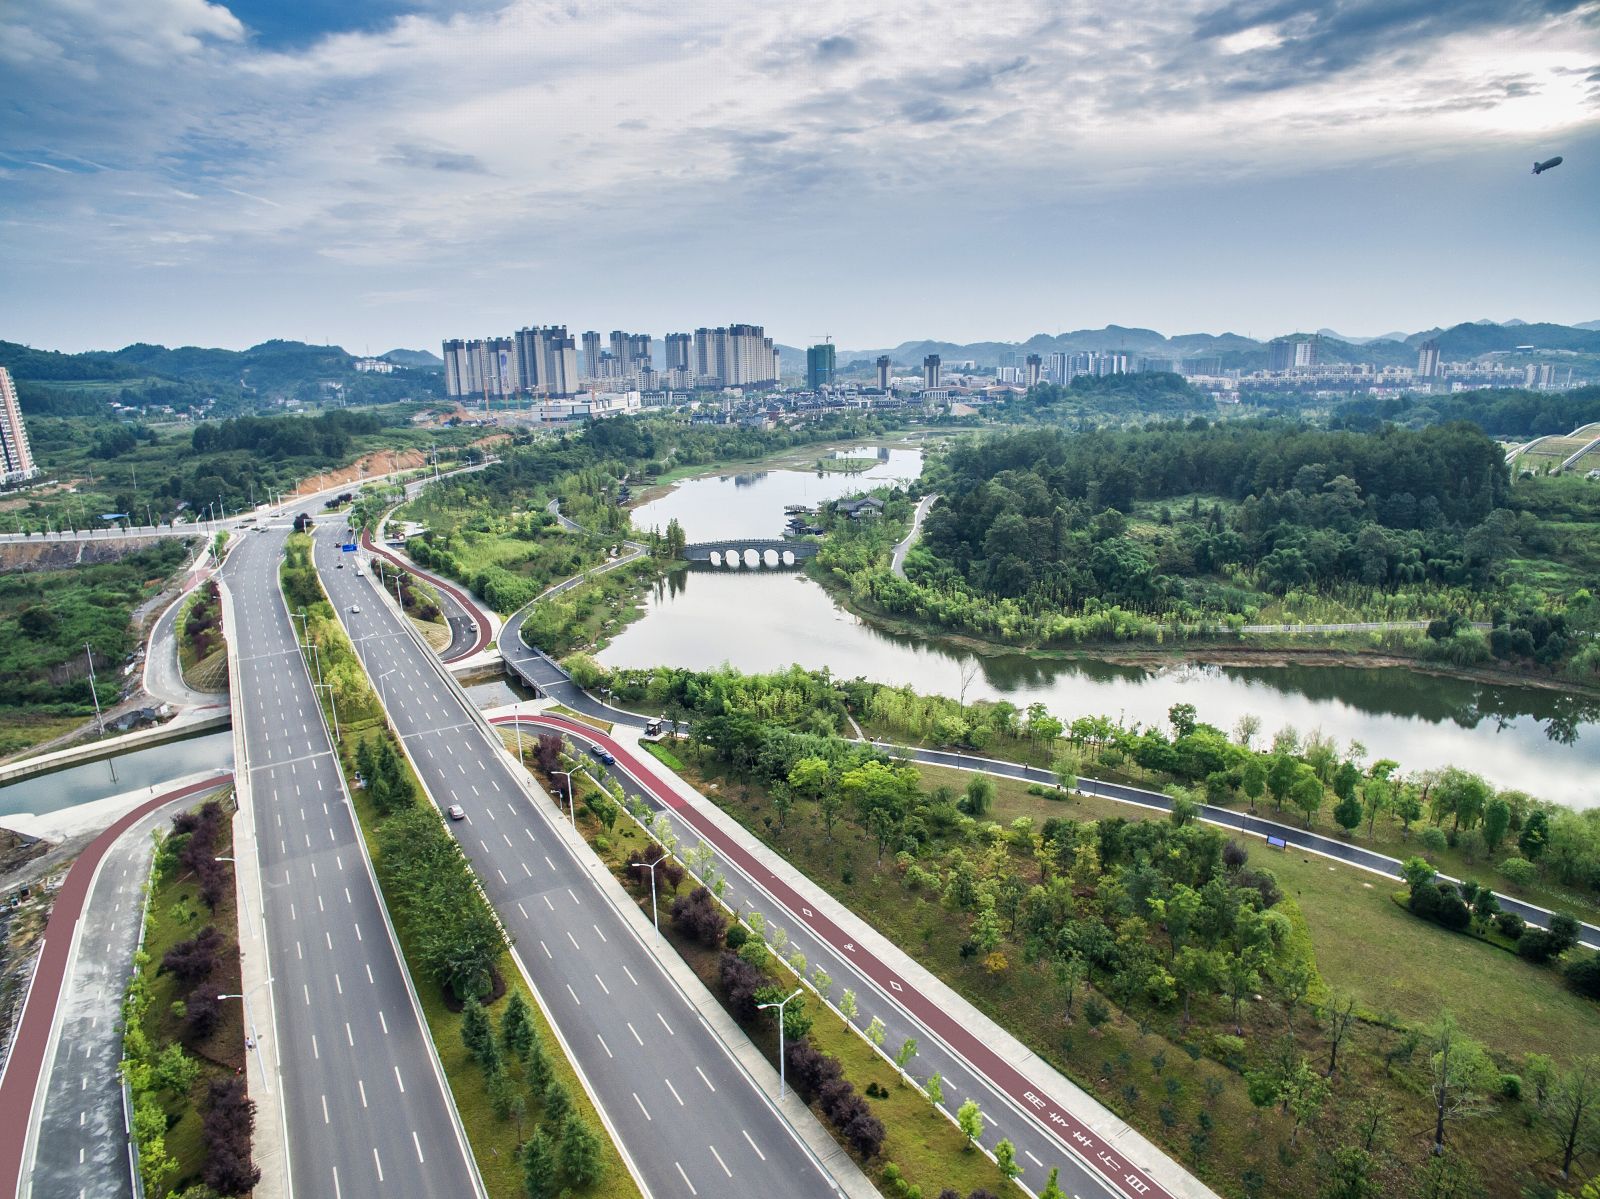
(761, 1007)
(255, 1037)
(571, 806)
(654, 915)
(383, 690)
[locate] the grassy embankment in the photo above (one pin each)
(172, 1064)
(1387, 836)
(1183, 1085)
(202, 653)
(495, 1142)
(46, 617)
(924, 1145)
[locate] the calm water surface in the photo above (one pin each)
(141, 768)
(1541, 741)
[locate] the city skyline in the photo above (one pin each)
(273, 172)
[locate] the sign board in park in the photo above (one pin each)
(349, 547)
(1277, 843)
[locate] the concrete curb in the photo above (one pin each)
(383, 907)
(270, 1145)
(800, 1120)
(1110, 1128)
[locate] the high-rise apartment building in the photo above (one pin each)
(1428, 360)
(591, 354)
(1309, 352)
(930, 372)
(734, 356)
(16, 457)
(680, 351)
(820, 366)
(1035, 366)
(1280, 354)
(883, 372)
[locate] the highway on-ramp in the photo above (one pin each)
(682, 1109)
(366, 1108)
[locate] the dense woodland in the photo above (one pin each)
(1510, 413)
(1179, 529)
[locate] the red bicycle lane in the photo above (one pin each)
(1068, 1130)
(461, 597)
(19, 1083)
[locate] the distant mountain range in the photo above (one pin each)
(1461, 341)
(187, 377)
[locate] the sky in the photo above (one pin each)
(381, 174)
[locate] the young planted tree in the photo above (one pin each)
(1460, 1077)
(1340, 1014)
(970, 1121)
(1572, 1111)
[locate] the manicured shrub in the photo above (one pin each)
(1583, 975)
(1509, 924)
(226, 1126)
(698, 915)
(740, 983)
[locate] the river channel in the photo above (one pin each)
(1541, 741)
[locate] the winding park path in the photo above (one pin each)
(898, 563)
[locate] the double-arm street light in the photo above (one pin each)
(654, 915)
(761, 1007)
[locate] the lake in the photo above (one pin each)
(1541, 741)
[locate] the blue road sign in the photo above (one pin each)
(350, 548)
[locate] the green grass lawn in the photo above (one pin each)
(1182, 1086)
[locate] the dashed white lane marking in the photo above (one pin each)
(1033, 1159)
(754, 1146)
(720, 1162)
(646, 1112)
(635, 1032)
(602, 983)
(707, 1081)
(574, 995)
(604, 1046)
(629, 973)
(596, 928)
(399, 1080)
(674, 1091)
(665, 1025)
(683, 1176)
(325, 1118)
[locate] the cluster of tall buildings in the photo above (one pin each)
(544, 361)
(1061, 368)
(16, 458)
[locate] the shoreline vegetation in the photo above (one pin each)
(1260, 1014)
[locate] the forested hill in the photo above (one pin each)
(1040, 516)
(1500, 413)
(1144, 394)
(235, 380)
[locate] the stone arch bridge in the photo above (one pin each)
(750, 553)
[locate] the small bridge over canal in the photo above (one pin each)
(751, 553)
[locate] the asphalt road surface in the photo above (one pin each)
(82, 1101)
(81, 1146)
(691, 1121)
(367, 1112)
(1041, 1127)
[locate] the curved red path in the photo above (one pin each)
(20, 1081)
(1125, 1178)
(456, 593)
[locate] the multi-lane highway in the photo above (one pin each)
(683, 1110)
(366, 1110)
(1089, 1145)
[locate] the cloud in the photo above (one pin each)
(442, 143)
(430, 158)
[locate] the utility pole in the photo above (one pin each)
(98, 722)
(761, 1007)
(654, 915)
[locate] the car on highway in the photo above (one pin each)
(602, 755)
(457, 812)
(356, 609)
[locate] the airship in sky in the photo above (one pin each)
(1540, 168)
